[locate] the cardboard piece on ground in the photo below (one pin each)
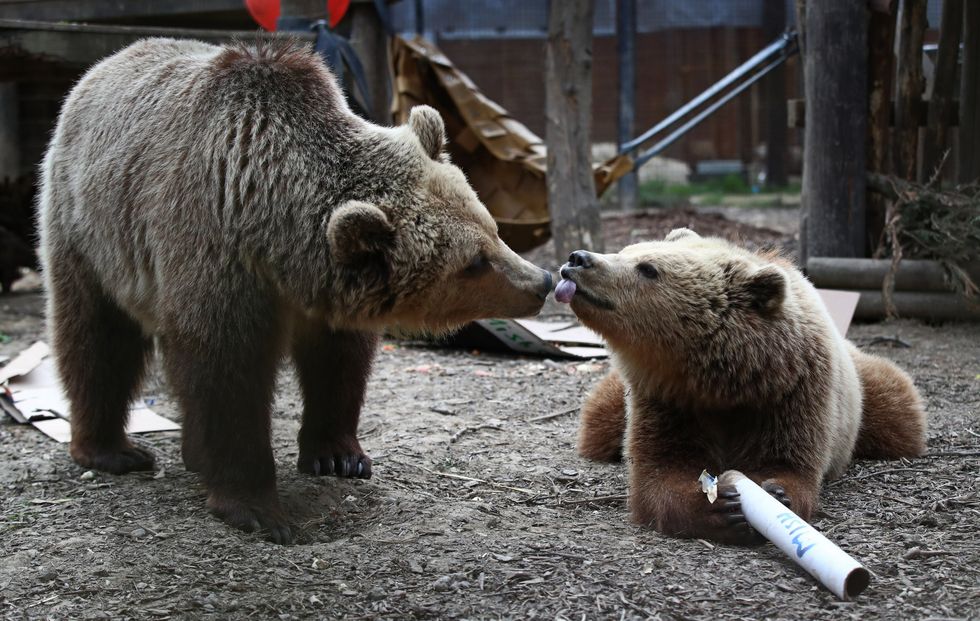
(569, 339)
(841, 306)
(564, 339)
(34, 395)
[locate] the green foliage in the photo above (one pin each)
(709, 191)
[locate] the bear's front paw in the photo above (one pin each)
(252, 516)
(729, 521)
(342, 459)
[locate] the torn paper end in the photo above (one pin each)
(709, 485)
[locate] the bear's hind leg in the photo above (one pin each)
(101, 354)
(603, 420)
(223, 374)
(333, 369)
(893, 420)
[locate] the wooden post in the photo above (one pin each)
(969, 165)
(419, 17)
(881, 55)
(626, 50)
(773, 25)
(908, 98)
(935, 141)
(836, 87)
(568, 97)
(9, 132)
(370, 42)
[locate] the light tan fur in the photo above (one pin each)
(730, 362)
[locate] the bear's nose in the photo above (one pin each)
(580, 258)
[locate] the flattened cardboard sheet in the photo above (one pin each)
(31, 393)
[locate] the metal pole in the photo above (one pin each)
(717, 87)
(686, 127)
(626, 50)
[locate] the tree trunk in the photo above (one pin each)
(936, 142)
(836, 86)
(568, 92)
(911, 30)
(881, 43)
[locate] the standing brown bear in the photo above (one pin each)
(225, 204)
(726, 359)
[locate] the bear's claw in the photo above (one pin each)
(353, 465)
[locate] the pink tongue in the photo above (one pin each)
(564, 291)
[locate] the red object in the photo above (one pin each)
(336, 9)
(264, 12)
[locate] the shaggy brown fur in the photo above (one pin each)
(728, 361)
(225, 201)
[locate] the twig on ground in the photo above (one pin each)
(952, 454)
(465, 430)
(538, 419)
(893, 340)
(461, 477)
(874, 474)
(918, 552)
(585, 501)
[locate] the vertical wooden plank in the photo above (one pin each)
(969, 165)
(908, 97)
(370, 42)
(836, 82)
(774, 86)
(568, 96)
(881, 55)
(935, 139)
(626, 52)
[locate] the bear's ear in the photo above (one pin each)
(356, 229)
(681, 234)
(431, 131)
(766, 289)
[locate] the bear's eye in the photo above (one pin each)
(647, 270)
(477, 265)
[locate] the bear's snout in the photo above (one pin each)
(581, 258)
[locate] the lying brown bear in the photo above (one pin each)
(226, 203)
(727, 360)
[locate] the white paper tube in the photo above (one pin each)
(833, 567)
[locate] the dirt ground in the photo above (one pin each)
(479, 507)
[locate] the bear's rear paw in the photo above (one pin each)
(342, 459)
(252, 516)
(128, 458)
